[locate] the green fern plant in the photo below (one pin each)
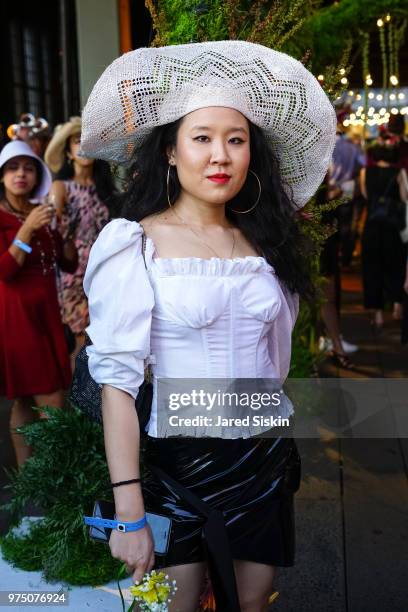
(64, 476)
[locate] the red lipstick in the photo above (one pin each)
(219, 178)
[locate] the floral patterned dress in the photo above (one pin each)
(83, 218)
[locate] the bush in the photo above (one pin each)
(65, 475)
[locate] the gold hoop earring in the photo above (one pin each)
(168, 185)
(241, 212)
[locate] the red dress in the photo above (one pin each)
(33, 352)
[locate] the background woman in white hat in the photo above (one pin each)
(226, 140)
(34, 363)
(84, 195)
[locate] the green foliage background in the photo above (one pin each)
(65, 475)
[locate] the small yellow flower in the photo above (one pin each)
(151, 596)
(163, 592)
(153, 589)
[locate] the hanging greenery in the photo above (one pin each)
(391, 48)
(271, 22)
(381, 31)
(399, 38)
(365, 66)
(330, 28)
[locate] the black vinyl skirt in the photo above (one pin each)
(250, 481)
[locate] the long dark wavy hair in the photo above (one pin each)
(271, 227)
(102, 177)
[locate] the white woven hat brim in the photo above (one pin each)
(151, 87)
(18, 147)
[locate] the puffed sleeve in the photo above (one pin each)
(280, 334)
(120, 300)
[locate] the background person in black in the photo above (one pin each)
(383, 252)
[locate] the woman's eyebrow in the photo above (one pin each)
(232, 129)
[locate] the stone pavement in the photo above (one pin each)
(352, 506)
(351, 509)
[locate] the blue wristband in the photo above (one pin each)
(22, 245)
(119, 525)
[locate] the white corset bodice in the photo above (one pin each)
(191, 317)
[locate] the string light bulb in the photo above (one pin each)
(344, 81)
(388, 18)
(380, 23)
(320, 77)
(342, 71)
(393, 80)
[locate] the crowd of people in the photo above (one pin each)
(370, 222)
(53, 204)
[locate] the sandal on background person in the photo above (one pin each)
(377, 322)
(341, 360)
(326, 345)
(397, 311)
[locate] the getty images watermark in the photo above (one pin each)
(227, 408)
(241, 408)
(222, 399)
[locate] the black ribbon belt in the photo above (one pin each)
(216, 545)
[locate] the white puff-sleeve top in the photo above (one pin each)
(189, 317)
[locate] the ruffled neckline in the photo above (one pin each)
(214, 266)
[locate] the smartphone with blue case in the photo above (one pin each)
(160, 526)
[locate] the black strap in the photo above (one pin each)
(216, 545)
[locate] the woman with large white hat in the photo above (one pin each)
(34, 363)
(225, 141)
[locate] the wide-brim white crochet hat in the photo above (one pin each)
(150, 87)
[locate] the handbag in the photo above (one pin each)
(86, 394)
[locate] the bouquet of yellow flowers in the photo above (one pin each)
(152, 594)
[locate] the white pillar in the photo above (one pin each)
(98, 41)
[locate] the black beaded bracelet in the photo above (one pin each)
(124, 482)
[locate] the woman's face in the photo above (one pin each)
(74, 147)
(212, 141)
(20, 175)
